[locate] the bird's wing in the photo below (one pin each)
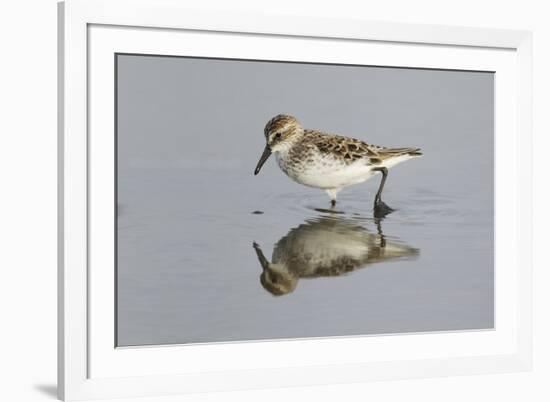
(351, 149)
(347, 149)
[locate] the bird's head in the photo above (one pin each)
(278, 280)
(280, 132)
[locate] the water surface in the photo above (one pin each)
(207, 252)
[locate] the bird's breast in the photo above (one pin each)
(318, 170)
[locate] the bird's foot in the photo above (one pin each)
(381, 209)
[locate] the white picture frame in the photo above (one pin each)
(91, 32)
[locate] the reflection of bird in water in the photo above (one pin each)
(326, 246)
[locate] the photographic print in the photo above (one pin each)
(268, 200)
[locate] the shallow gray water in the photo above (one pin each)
(208, 252)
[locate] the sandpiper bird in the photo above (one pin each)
(328, 161)
(325, 247)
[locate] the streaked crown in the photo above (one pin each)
(280, 128)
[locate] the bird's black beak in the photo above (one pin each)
(263, 261)
(263, 158)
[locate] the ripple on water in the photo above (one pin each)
(327, 211)
(419, 207)
(303, 205)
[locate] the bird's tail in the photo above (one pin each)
(403, 151)
(390, 153)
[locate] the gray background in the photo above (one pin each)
(190, 132)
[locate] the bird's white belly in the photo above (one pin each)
(326, 173)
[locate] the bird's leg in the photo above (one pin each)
(380, 207)
(378, 197)
(378, 222)
(332, 194)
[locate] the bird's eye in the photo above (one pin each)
(278, 135)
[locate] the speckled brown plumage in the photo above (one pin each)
(349, 149)
(328, 161)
